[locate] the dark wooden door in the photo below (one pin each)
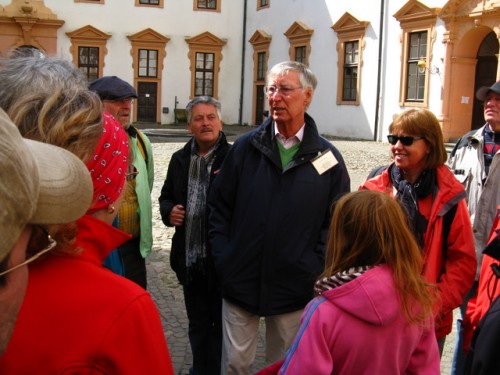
(147, 101)
(486, 72)
(259, 104)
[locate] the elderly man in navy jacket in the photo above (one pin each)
(269, 212)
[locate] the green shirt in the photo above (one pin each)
(287, 154)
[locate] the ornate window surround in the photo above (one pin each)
(151, 40)
(260, 41)
(349, 29)
(299, 35)
(217, 7)
(415, 17)
(208, 43)
(89, 36)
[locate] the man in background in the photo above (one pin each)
(475, 161)
(135, 215)
(183, 205)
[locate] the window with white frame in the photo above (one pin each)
(148, 63)
(350, 73)
(350, 45)
(88, 62)
(415, 77)
(300, 54)
(261, 66)
(206, 4)
(204, 74)
(418, 38)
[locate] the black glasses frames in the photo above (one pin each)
(405, 140)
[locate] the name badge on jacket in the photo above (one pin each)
(324, 161)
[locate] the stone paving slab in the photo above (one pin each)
(360, 158)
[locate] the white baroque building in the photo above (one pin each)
(373, 58)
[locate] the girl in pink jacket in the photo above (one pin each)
(373, 310)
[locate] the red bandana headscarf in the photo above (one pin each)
(109, 164)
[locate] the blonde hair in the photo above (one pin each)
(48, 99)
(423, 123)
(369, 228)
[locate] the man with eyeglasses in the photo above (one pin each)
(135, 215)
(269, 212)
(475, 161)
(40, 184)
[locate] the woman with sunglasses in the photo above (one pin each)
(435, 206)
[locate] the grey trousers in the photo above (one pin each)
(239, 337)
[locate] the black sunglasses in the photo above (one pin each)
(406, 140)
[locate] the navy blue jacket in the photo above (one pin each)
(268, 226)
(482, 358)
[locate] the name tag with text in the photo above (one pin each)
(324, 161)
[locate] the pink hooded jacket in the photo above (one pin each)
(359, 328)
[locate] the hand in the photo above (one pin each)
(177, 215)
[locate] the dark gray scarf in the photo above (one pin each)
(409, 194)
(195, 222)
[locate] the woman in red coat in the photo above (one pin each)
(488, 289)
(435, 206)
(78, 317)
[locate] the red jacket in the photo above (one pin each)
(486, 293)
(80, 318)
(455, 274)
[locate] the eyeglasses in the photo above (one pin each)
(50, 246)
(132, 173)
(285, 91)
(405, 140)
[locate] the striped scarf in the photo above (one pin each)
(340, 278)
(195, 221)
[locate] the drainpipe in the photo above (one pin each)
(242, 80)
(379, 69)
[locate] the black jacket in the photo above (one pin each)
(268, 226)
(482, 358)
(173, 192)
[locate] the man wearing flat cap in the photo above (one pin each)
(475, 161)
(135, 215)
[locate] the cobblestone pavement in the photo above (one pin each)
(360, 158)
